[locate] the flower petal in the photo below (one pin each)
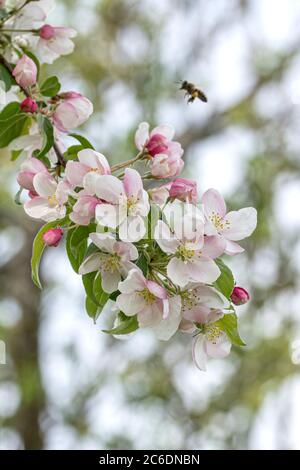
(213, 202)
(219, 348)
(142, 135)
(44, 185)
(132, 182)
(168, 326)
(241, 223)
(90, 264)
(233, 248)
(199, 354)
(165, 129)
(110, 281)
(164, 237)
(131, 304)
(109, 188)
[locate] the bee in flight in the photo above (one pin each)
(192, 91)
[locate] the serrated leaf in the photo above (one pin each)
(225, 282)
(50, 87)
(125, 326)
(228, 323)
(39, 246)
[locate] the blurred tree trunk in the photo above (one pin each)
(22, 341)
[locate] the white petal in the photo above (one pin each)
(135, 281)
(168, 327)
(202, 270)
(165, 129)
(132, 229)
(44, 185)
(220, 348)
(233, 248)
(199, 354)
(165, 239)
(241, 223)
(142, 135)
(150, 315)
(107, 215)
(110, 281)
(110, 189)
(90, 264)
(213, 202)
(105, 241)
(131, 304)
(177, 271)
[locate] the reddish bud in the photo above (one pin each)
(53, 236)
(29, 106)
(185, 190)
(47, 32)
(157, 144)
(239, 296)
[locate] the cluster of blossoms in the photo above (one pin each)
(145, 239)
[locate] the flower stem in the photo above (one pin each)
(139, 156)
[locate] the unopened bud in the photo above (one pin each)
(29, 105)
(239, 296)
(53, 236)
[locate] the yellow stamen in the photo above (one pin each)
(53, 200)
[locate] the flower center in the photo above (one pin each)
(148, 296)
(131, 203)
(110, 263)
(184, 253)
(189, 300)
(212, 333)
(218, 222)
(53, 200)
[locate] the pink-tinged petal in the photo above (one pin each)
(90, 264)
(214, 246)
(132, 182)
(198, 313)
(213, 203)
(142, 135)
(233, 248)
(211, 297)
(131, 304)
(75, 173)
(44, 185)
(34, 165)
(150, 315)
(199, 354)
(168, 326)
(110, 281)
(165, 308)
(80, 219)
(177, 271)
(94, 160)
(210, 229)
(132, 229)
(37, 207)
(142, 207)
(105, 241)
(202, 269)
(186, 326)
(220, 348)
(127, 251)
(240, 224)
(165, 129)
(135, 281)
(107, 215)
(165, 239)
(157, 290)
(109, 188)
(90, 182)
(62, 192)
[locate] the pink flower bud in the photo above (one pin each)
(73, 111)
(29, 105)
(25, 72)
(47, 32)
(239, 296)
(185, 190)
(157, 143)
(53, 236)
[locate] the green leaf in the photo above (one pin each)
(76, 247)
(142, 263)
(88, 282)
(83, 141)
(228, 324)
(6, 78)
(12, 122)
(225, 282)
(46, 128)
(125, 325)
(91, 308)
(98, 293)
(153, 218)
(39, 246)
(50, 87)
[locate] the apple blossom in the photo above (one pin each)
(84, 208)
(113, 261)
(28, 105)
(72, 111)
(183, 238)
(49, 204)
(184, 189)
(53, 236)
(211, 342)
(126, 203)
(149, 301)
(166, 161)
(160, 194)
(25, 72)
(28, 170)
(239, 296)
(53, 42)
(89, 161)
(231, 226)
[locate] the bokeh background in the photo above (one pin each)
(66, 385)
